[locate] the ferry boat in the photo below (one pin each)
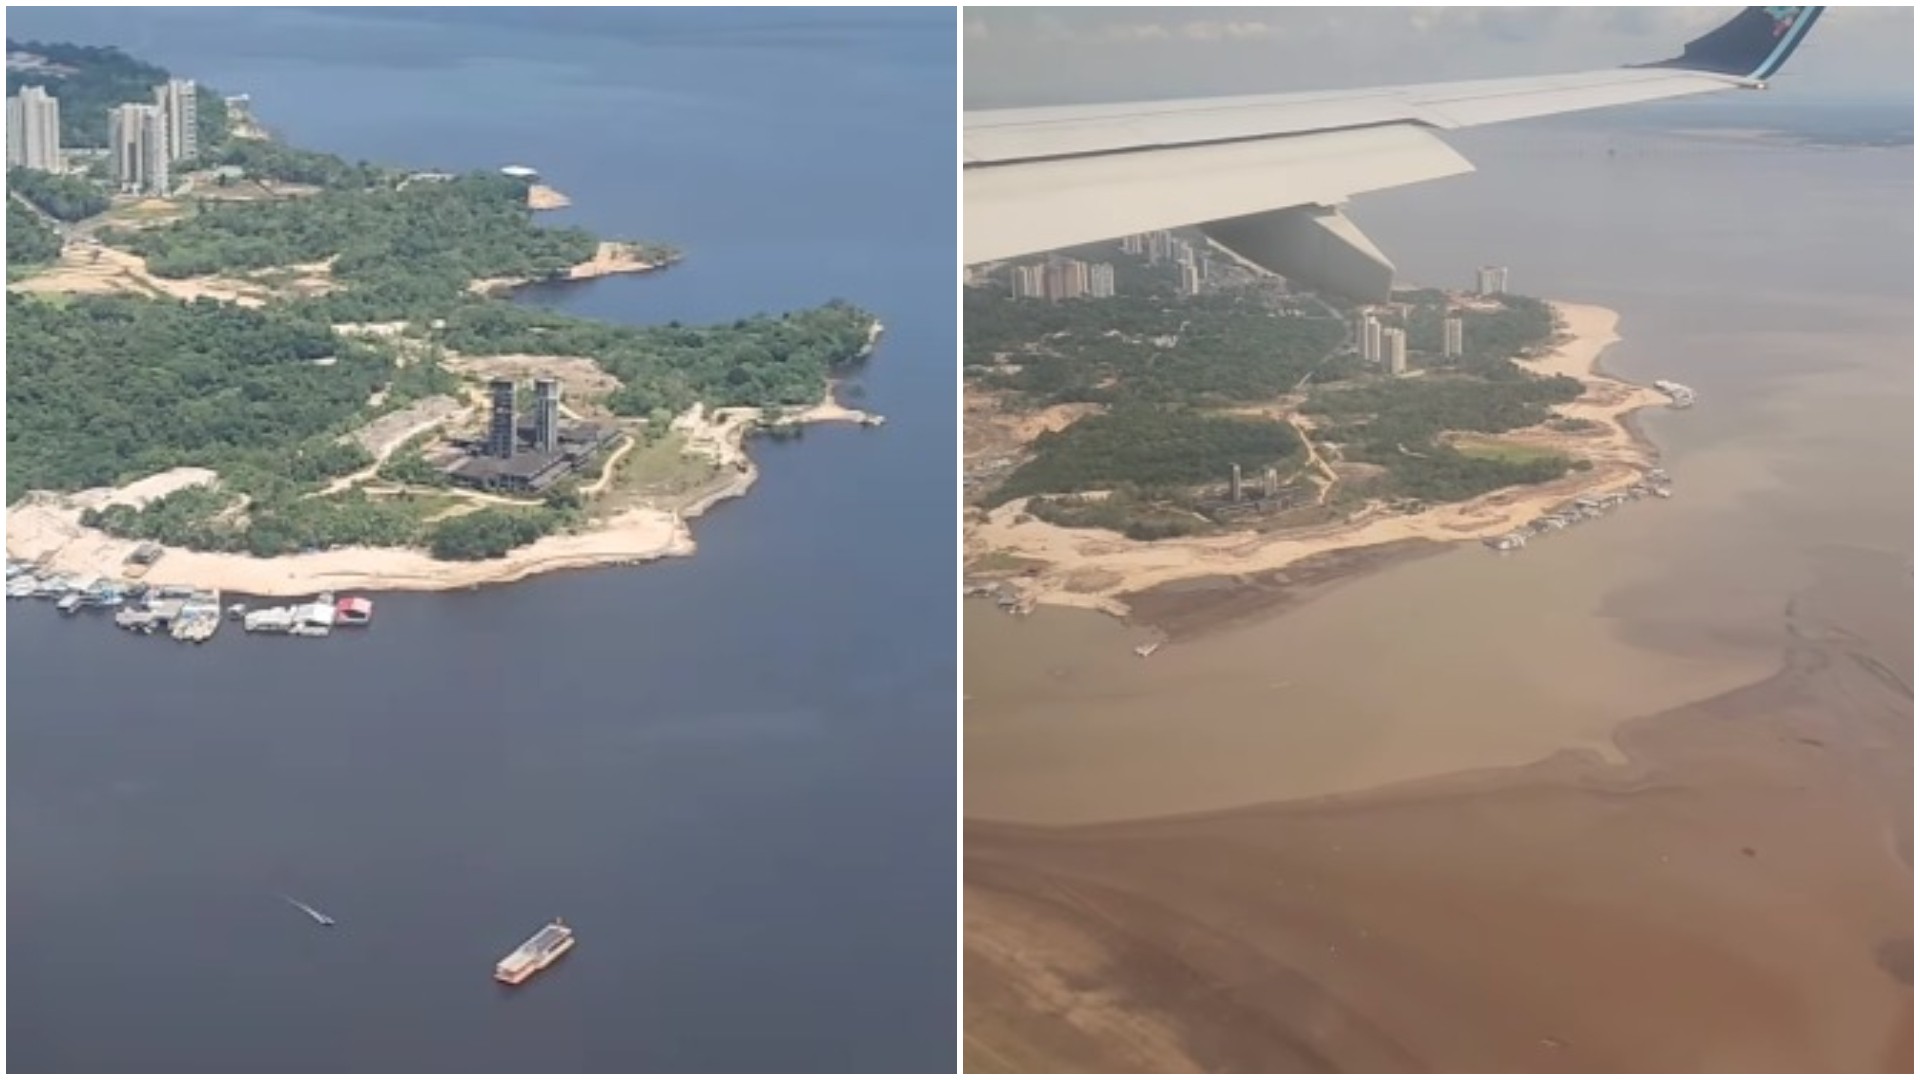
(535, 954)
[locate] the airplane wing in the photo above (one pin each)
(1265, 176)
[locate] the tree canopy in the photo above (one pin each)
(1149, 447)
(107, 387)
(764, 360)
(68, 198)
(29, 239)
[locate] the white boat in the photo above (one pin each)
(268, 621)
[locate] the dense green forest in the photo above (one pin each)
(101, 77)
(1213, 349)
(292, 165)
(68, 198)
(491, 532)
(758, 361)
(1149, 447)
(1127, 510)
(1414, 411)
(471, 227)
(29, 239)
(1396, 423)
(1442, 474)
(103, 388)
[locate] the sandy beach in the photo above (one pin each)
(1097, 568)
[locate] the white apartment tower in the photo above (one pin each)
(1491, 281)
(1451, 336)
(1029, 282)
(1159, 245)
(137, 145)
(33, 130)
(1370, 340)
(1134, 245)
(178, 102)
(1100, 280)
(1189, 279)
(1393, 344)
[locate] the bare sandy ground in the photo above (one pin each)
(542, 197)
(579, 375)
(91, 268)
(1093, 568)
(1736, 896)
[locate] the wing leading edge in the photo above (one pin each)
(1269, 172)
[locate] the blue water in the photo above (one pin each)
(733, 774)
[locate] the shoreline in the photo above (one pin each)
(1104, 571)
(612, 257)
(44, 528)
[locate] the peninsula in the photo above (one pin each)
(1120, 444)
(284, 373)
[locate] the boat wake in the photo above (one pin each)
(317, 916)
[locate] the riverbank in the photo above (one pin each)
(612, 257)
(44, 528)
(1100, 569)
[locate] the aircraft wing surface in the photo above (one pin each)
(1264, 176)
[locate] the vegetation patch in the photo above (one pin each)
(1149, 447)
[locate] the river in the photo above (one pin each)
(1775, 279)
(733, 774)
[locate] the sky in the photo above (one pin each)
(1041, 56)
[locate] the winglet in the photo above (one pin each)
(1752, 45)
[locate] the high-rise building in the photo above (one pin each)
(178, 102)
(500, 434)
(1029, 282)
(1181, 252)
(137, 143)
(1370, 340)
(1067, 279)
(546, 415)
(1159, 246)
(33, 130)
(1491, 281)
(1189, 279)
(1452, 336)
(1134, 245)
(1233, 490)
(1100, 280)
(1393, 355)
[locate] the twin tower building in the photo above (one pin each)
(143, 141)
